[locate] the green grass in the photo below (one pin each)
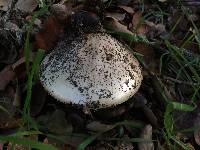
(18, 138)
(33, 70)
(169, 124)
(28, 143)
(176, 62)
(31, 73)
(91, 138)
(184, 64)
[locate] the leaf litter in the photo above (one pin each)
(163, 35)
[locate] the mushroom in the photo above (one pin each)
(93, 70)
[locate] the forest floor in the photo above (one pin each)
(164, 114)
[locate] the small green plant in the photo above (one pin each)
(182, 65)
(168, 121)
(35, 66)
(31, 72)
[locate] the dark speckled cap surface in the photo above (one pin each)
(93, 70)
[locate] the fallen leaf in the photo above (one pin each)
(159, 146)
(62, 11)
(2, 144)
(8, 44)
(98, 126)
(197, 131)
(4, 4)
(70, 141)
(7, 109)
(6, 75)
(136, 20)
(16, 147)
(26, 6)
(146, 135)
(33, 137)
(190, 146)
(112, 112)
(46, 38)
(157, 29)
(113, 24)
(197, 136)
(19, 66)
(125, 144)
(53, 142)
(149, 55)
(118, 16)
(143, 29)
(140, 102)
(123, 2)
(138, 25)
(56, 122)
(182, 137)
(127, 9)
(77, 121)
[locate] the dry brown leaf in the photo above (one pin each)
(113, 23)
(17, 147)
(19, 67)
(125, 144)
(117, 16)
(26, 5)
(21, 61)
(190, 146)
(143, 29)
(146, 51)
(47, 37)
(33, 137)
(71, 142)
(4, 4)
(127, 9)
(62, 11)
(136, 20)
(53, 142)
(2, 144)
(146, 135)
(137, 25)
(6, 75)
(197, 131)
(7, 119)
(97, 126)
(157, 29)
(56, 122)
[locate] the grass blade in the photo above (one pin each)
(28, 143)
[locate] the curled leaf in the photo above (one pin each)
(6, 75)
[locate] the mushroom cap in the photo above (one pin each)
(95, 70)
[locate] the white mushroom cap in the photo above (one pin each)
(96, 71)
